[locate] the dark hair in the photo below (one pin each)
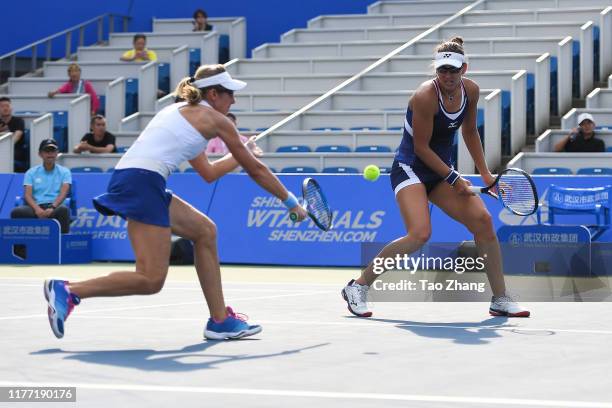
(455, 44)
(94, 118)
(199, 12)
(5, 99)
(231, 115)
(138, 36)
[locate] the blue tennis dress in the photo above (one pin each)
(407, 167)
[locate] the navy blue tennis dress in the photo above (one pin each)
(137, 189)
(409, 169)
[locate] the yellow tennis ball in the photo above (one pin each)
(371, 172)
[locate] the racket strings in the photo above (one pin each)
(317, 205)
(517, 193)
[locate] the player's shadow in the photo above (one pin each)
(473, 333)
(189, 358)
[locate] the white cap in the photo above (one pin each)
(453, 59)
(584, 116)
(224, 79)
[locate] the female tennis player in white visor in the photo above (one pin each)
(137, 192)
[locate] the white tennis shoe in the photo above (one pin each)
(356, 297)
(506, 306)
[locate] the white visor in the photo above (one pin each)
(224, 79)
(448, 58)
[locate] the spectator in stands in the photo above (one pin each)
(45, 188)
(200, 21)
(10, 123)
(139, 52)
(216, 145)
(582, 139)
(98, 140)
(76, 85)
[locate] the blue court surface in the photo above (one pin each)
(148, 351)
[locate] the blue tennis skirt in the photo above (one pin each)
(136, 194)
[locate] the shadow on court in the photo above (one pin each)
(189, 358)
(473, 333)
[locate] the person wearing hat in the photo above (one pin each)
(137, 192)
(423, 172)
(46, 186)
(582, 139)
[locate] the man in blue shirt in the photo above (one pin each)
(46, 186)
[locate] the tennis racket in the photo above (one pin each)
(515, 190)
(315, 205)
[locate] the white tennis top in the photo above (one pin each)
(167, 141)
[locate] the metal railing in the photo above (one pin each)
(79, 29)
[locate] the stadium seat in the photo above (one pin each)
(609, 149)
(333, 149)
(299, 169)
(385, 170)
(595, 201)
(243, 129)
(122, 149)
(552, 170)
(131, 96)
(326, 129)
(86, 169)
(372, 149)
(294, 149)
(340, 170)
(365, 128)
(69, 201)
(261, 129)
(163, 77)
(395, 129)
(60, 129)
(595, 171)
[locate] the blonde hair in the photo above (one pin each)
(455, 44)
(189, 93)
(72, 66)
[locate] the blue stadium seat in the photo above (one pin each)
(385, 170)
(595, 201)
(86, 169)
(60, 129)
(595, 171)
(243, 129)
(365, 128)
(122, 149)
(294, 149)
(224, 48)
(163, 77)
(609, 149)
(372, 149)
(552, 170)
(327, 129)
(131, 96)
(272, 169)
(333, 149)
(395, 129)
(299, 169)
(194, 60)
(261, 129)
(340, 170)
(102, 108)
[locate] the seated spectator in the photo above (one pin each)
(98, 140)
(139, 52)
(45, 188)
(582, 139)
(200, 21)
(216, 145)
(76, 85)
(9, 123)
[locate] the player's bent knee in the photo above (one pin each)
(208, 230)
(420, 235)
(154, 285)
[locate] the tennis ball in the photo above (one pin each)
(371, 172)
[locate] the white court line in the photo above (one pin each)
(201, 302)
(165, 288)
(374, 324)
(318, 394)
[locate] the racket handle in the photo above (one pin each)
(476, 189)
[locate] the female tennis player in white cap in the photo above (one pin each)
(137, 192)
(422, 171)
